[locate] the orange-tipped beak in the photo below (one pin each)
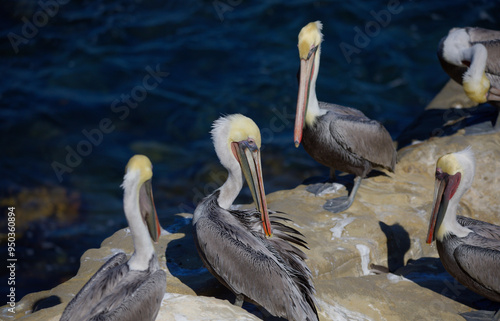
(445, 187)
(248, 155)
(306, 73)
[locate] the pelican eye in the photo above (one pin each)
(312, 51)
(250, 144)
(440, 174)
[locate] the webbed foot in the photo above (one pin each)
(337, 205)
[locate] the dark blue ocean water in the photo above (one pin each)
(87, 84)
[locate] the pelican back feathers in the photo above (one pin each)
(270, 272)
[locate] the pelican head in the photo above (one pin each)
(454, 176)
(237, 144)
(310, 38)
(457, 50)
(137, 181)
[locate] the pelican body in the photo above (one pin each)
(469, 249)
(251, 252)
(339, 137)
(471, 57)
(130, 290)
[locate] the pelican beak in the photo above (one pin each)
(445, 187)
(307, 67)
(494, 94)
(248, 155)
(148, 210)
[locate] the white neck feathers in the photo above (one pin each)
(143, 246)
(234, 183)
(313, 109)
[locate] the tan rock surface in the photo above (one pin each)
(386, 226)
(452, 95)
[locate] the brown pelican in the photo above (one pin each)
(127, 290)
(249, 252)
(471, 57)
(469, 249)
(339, 137)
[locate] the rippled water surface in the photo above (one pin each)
(87, 84)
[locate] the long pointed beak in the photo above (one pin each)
(306, 73)
(249, 158)
(438, 209)
(148, 210)
(446, 186)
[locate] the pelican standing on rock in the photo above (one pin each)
(469, 249)
(130, 290)
(251, 253)
(471, 57)
(339, 137)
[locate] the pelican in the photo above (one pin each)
(339, 137)
(127, 290)
(471, 57)
(469, 249)
(249, 252)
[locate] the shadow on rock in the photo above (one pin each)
(398, 243)
(429, 273)
(445, 122)
(45, 303)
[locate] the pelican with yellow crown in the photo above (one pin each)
(339, 137)
(471, 57)
(251, 252)
(130, 290)
(469, 249)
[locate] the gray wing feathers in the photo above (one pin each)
(481, 264)
(74, 309)
(343, 110)
(365, 138)
(490, 232)
(140, 303)
(268, 271)
(117, 293)
(493, 64)
(491, 40)
(238, 257)
(483, 35)
(248, 267)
